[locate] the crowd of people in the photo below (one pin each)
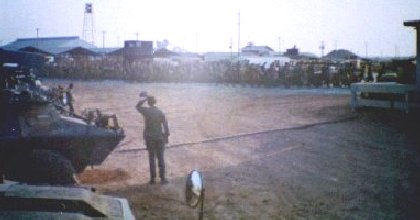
(309, 73)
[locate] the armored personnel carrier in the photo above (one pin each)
(23, 201)
(41, 142)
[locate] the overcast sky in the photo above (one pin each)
(212, 25)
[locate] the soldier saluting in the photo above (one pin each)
(156, 133)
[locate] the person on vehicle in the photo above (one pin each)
(60, 95)
(156, 133)
(69, 97)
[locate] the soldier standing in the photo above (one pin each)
(156, 133)
(60, 94)
(69, 97)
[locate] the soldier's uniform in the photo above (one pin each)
(156, 134)
(70, 99)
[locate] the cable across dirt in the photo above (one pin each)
(210, 140)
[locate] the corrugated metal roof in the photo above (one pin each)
(29, 60)
(80, 51)
(105, 50)
(52, 45)
(257, 48)
(412, 23)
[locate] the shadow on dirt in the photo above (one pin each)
(407, 126)
(362, 168)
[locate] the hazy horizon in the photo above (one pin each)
(373, 27)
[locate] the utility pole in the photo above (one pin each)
(279, 45)
(322, 47)
(230, 47)
(239, 34)
(239, 43)
(366, 48)
(37, 36)
(137, 35)
(196, 42)
(103, 39)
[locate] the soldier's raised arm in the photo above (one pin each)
(143, 98)
(140, 108)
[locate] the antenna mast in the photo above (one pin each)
(322, 47)
(239, 35)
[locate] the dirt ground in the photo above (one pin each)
(265, 153)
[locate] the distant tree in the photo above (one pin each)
(341, 54)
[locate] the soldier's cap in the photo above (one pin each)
(143, 94)
(151, 100)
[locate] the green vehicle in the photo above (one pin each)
(22, 201)
(40, 142)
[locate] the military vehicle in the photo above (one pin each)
(22, 201)
(40, 141)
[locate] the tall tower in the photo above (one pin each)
(88, 24)
(322, 47)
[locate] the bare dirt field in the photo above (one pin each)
(265, 153)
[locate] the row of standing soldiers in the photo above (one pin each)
(297, 72)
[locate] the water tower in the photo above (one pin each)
(88, 24)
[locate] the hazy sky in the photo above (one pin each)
(211, 25)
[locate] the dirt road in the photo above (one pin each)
(265, 153)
